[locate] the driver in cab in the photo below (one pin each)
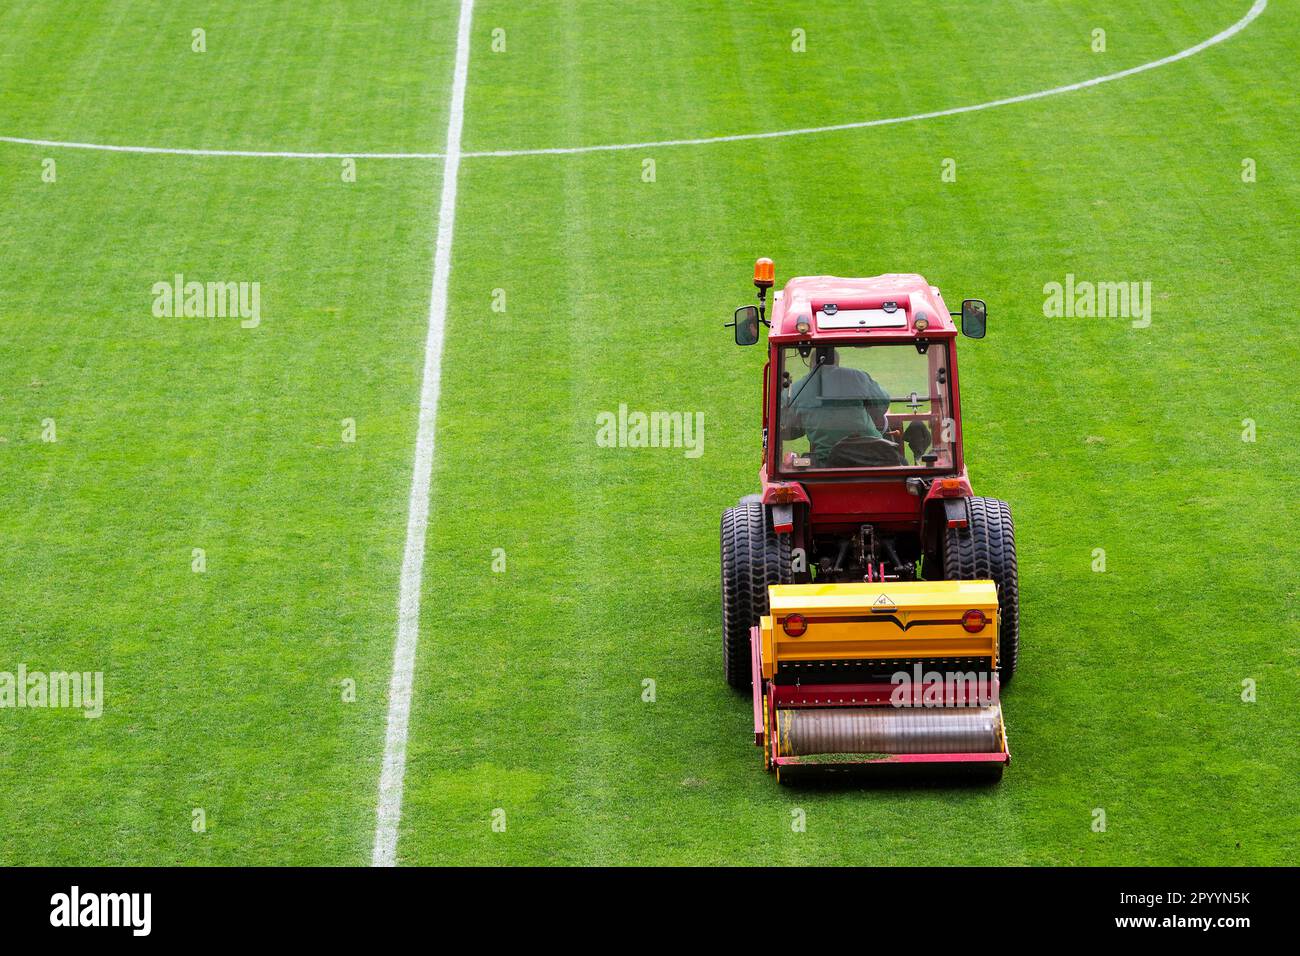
(832, 403)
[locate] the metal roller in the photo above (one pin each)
(888, 730)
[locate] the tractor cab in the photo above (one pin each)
(861, 375)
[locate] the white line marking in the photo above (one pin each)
(1255, 10)
(417, 522)
(255, 153)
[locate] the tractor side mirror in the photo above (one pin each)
(974, 318)
(746, 325)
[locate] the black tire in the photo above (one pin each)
(753, 556)
(987, 550)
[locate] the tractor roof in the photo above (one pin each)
(886, 306)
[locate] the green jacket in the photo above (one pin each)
(830, 405)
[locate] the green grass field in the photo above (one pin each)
(226, 690)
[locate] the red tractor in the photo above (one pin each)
(863, 483)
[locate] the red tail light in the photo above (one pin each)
(795, 625)
(782, 494)
(974, 620)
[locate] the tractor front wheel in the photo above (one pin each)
(987, 550)
(753, 556)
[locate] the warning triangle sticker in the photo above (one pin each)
(883, 603)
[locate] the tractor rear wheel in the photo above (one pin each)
(987, 550)
(753, 556)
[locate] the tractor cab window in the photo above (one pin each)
(864, 406)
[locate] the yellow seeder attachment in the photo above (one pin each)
(879, 674)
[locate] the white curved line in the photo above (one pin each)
(1230, 32)
(1256, 9)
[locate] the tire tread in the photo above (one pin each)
(753, 557)
(987, 550)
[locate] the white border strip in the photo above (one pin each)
(408, 603)
(1256, 9)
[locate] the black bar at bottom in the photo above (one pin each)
(914, 906)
